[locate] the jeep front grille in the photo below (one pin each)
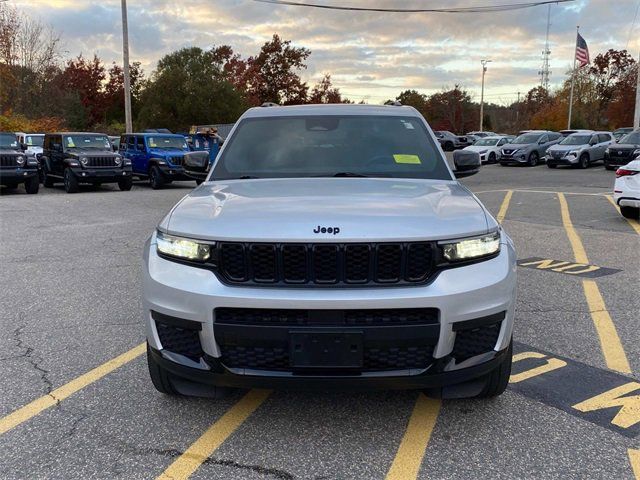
(325, 264)
(8, 161)
(176, 160)
(101, 162)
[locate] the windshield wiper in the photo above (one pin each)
(344, 174)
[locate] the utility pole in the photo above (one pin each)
(518, 111)
(484, 70)
(636, 115)
(125, 60)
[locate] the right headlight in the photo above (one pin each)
(636, 153)
(471, 248)
(183, 248)
(84, 160)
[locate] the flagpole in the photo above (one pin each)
(573, 78)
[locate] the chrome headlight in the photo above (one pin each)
(20, 159)
(636, 153)
(84, 160)
(471, 248)
(573, 152)
(182, 247)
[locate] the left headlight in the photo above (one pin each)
(472, 248)
(118, 160)
(182, 247)
(84, 160)
(20, 160)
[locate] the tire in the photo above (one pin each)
(448, 147)
(156, 181)
(32, 185)
(533, 159)
(159, 376)
(583, 162)
(125, 184)
(70, 181)
(551, 165)
(492, 158)
(503, 164)
(498, 379)
(47, 181)
(632, 213)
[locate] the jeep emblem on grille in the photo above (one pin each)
(319, 229)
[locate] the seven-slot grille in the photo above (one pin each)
(101, 162)
(176, 160)
(326, 264)
(8, 161)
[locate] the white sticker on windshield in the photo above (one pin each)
(408, 125)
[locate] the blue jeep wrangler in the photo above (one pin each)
(156, 156)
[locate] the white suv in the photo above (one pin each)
(331, 246)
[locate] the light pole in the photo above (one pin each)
(125, 60)
(636, 115)
(484, 70)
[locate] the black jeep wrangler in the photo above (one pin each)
(15, 166)
(74, 158)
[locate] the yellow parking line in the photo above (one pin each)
(505, 206)
(634, 459)
(635, 225)
(610, 343)
(187, 463)
(47, 401)
(408, 459)
(574, 239)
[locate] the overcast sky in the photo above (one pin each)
(371, 56)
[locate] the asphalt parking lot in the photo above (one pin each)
(77, 401)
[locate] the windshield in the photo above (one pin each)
(486, 142)
(576, 140)
(89, 142)
(633, 138)
(526, 138)
(353, 145)
(34, 140)
(8, 141)
(167, 143)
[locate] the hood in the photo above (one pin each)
(363, 209)
(175, 152)
(566, 148)
(517, 146)
(624, 146)
(478, 148)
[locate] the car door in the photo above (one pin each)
(142, 156)
(543, 144)
(57, 155)
(604, 140)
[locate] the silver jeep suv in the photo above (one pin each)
(331, 246)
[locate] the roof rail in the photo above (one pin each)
(269, 104)
(394, 103)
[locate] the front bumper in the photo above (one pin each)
(617, 161)
(17, 174)
(103, 175)
(460, 294)
(174, 173)
(564, 160)
(516, 159)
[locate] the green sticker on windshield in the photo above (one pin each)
(408, 159)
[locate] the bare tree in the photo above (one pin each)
(37, 45)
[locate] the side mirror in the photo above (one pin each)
(467, 163)
(23, 146)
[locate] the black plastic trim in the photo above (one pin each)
(175, 321)
(479, 322)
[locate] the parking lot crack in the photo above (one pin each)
(34, 361)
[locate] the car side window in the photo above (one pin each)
(544, 139)
(594, 139)
(123, 143)
(603, 137)
(502, 142)
(140, 144)
(131, 143)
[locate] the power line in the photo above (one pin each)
(476, 9)
(632, 25)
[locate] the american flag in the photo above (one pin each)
(582, 51)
